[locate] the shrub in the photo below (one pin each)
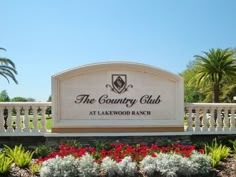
(5, 164)
(66, 166)
(201, 162)
(173, 165)
(43, 151)
(148, 165)
(99, 145)
(127, 167)
(233, 145)
(35, 167)
(87, 166)
(74, 143)
(217, 152)
(170, 165)
(109, 167)
(19, 155)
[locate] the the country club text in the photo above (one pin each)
(128, 102)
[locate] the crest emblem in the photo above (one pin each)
(119, 83)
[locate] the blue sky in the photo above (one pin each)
(44, 37)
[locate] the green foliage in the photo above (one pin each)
(229, 91)
(5, 163)
(74, 143)
(4, 96)
(193, 94)
(211, 77)
(233, 145)
(49, 109)
(216, 68)
(99, 145)
(217, 152)
(7, 68)
(43, 151)
(19, 155)
(35, 167)
(19, 99)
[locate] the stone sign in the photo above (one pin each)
(117, 97)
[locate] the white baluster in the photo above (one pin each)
(2, 128)
(212, 120)
(18, 120)
(43, 119)
(232, 120)
(35, 119)
(9, 120)
(197, 121)
(190, 119)
(205, 120)
(226, 120)
(26, 119)
(219, 120)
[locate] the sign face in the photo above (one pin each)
(117, 97)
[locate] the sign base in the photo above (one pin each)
(117, 129)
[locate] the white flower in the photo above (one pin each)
(127, 167)
(148, 165)
(60, 167)
(87, 166)
(110, 167)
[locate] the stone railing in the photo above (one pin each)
(23, 118)
(29, 118)
(204, 118)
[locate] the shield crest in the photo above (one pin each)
(119, 82)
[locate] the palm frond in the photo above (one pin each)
(3, 49)
(7, 68)
(6, 61)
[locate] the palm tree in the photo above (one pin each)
(216, 68)
(7, 68)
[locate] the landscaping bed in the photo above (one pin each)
(227, 168)
(123, 160)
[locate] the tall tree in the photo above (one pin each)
(19, 99)
(4, 96)
(49, 109)
(7, 68)
(216, 68)
(229, 91)
(192, 94)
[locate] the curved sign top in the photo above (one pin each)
(117, 97)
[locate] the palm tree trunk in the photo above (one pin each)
(216, 93)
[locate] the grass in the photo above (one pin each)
(39, 125)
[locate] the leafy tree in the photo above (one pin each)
(30, 100)
(7, 68)
(49, 99)
(192, 94)
(229, 91)
(4, 96)
(19, 99)
(49, 109)
(216, 68)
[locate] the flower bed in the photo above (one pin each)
(125, 160)
(118, 151)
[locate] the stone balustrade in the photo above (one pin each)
(29, 118)
(204, 118)
(23, 118)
